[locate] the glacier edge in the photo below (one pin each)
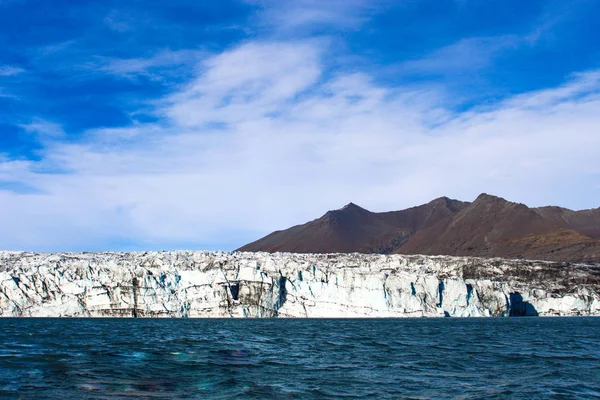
(219, 284)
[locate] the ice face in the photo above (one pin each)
(218, 284)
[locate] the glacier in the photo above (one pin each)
(207, 284)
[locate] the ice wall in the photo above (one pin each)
(217, 284)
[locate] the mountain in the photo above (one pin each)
(586, 222)
(354, 229)
(494, 227)
(490, 226)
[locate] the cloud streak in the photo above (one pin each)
(8, 70)
(464, 56)
(297, 16)
(157, 66)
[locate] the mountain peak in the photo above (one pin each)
(489, 198)
(350, 210)
(350, 207)
(444, 201)
(485, 196)
(448, 203)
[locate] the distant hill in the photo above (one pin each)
(488, 227)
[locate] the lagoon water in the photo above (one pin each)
(295, 359)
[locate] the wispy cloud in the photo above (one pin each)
(294, 15)
(43, 130)
(472, 54)
(6, 95)
(464, 56)
(8, 70)
(257, 77)
(119, 21)
(156, 66)
(260, 140)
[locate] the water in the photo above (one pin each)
(289, 359)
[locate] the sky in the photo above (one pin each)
(153, 125)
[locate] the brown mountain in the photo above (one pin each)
(488, 227)
(354, 229)
(494, 227)
(586, 222)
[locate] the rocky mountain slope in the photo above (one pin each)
(488, 227)
(586, 222)
(212, 284)
(354, 229)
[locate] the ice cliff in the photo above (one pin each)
(216, 284)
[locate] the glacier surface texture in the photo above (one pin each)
(219, 284)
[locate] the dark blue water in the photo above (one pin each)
(289, 359)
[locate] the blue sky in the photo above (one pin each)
(128, 125)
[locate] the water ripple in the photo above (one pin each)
(297, 359)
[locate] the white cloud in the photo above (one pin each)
(261, 140)
(246, 84)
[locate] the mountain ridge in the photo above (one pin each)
(490, 226)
